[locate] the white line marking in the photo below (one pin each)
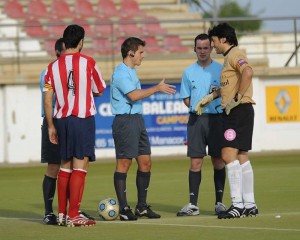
(159, 223)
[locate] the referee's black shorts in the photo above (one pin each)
(49, 152)
(204, 135)
(238, 127)
(130, 136)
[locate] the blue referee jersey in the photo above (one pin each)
(198, 81)
(123, 81)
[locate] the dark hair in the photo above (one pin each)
(202, 36)
(131, 44)
(73, 34)
(224, 30)
(59, 46)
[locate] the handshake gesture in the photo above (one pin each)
(204, 102)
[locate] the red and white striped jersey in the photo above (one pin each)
(74, 78)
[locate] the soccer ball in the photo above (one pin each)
(108, 209)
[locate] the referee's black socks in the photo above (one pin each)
(142, 185)
(219, 179)
(120, 188)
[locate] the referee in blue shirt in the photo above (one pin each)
(200, 92)
(128, 128)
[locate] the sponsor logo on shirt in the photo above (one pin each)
(225, 83)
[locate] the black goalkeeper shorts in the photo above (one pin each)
(238, 127)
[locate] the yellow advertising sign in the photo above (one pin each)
(283, 104)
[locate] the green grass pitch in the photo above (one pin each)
(277, 192)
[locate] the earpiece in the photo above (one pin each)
(131, 55)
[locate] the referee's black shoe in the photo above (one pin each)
(145, 211)
(50, 219)
(127, 215)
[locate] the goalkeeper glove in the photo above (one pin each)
(204, 102)
(233, 103)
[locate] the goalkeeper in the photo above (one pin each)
(200, 92)
(238, 121)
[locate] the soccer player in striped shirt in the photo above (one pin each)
(76, 80)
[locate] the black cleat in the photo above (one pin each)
(127, 215)
(251, 212)
(50, 219)
(232, 212)
(145, 211)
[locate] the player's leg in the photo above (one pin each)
(197, 142)
(64, 173)
(219, 181)
(142, 183)
(215, 136)
(126, 147)
(247, 171)
(77, 181)
(234, 173)
(63, 181)
(196, 150)
(50, 155)
(144, 171)
(144, 162)
(82, 213)
(120, 176)
(195, 179)
(49, 186)
(143, 178)
(248, 184)
(77, 137)
(235, 126)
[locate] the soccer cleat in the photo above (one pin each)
(85, 215)
(79, 221)
(189, 210)
(251, 212)
(127, 215)
(50, 219)
(61, 219)
(220, 207)
(232, 212)
(145, 211)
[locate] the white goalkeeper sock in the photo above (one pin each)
(248, 185)
(235, 183)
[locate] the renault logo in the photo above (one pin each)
(283, 101)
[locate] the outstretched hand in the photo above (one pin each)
(166, 88)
